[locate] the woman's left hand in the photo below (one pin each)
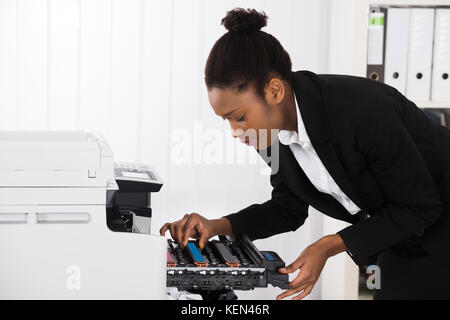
(311, 262)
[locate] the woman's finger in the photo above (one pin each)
(289, 292)
(302, 277)
(304, 293)
(179, 230)
(178, 233)
(203, 235)
(172, 230)
(293, 266)
(188, 226)
(164, 228)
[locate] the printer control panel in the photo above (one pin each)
(134, 177)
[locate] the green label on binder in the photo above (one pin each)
(376, 21)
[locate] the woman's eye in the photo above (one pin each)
(241, 118)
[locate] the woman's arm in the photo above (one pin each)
(282, 213)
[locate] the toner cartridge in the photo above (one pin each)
(223, 264)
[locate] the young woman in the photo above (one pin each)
(353, 148)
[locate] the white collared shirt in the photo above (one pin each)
(311, 164)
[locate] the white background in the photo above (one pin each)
(133, 70)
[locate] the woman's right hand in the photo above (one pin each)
(196, 226)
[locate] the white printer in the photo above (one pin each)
(74, 224)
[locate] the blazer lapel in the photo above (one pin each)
(293, 174)
(318, 128)
(287, 167)
(295, 178)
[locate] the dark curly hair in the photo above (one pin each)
(245, 55)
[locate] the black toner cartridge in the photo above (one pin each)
(223, 264)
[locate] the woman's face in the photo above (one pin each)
(251, 118)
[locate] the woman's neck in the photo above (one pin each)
(290, 111)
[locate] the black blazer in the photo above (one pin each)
(383, 152)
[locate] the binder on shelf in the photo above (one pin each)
(375, 44)
(420, 51)
(440, 81)
(396, 56)
(436, 115)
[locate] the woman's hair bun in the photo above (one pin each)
(248, 20)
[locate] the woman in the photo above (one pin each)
(353, 148)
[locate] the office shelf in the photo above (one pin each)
(348, 55)
(348, 36)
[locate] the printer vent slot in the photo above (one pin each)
(63, 217)
(13, 218)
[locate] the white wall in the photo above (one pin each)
(133, 70)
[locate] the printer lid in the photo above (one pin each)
(59, 158)
(23, 150)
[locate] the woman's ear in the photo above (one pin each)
(274, 91)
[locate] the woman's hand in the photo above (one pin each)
(196, 226)
(311, 262)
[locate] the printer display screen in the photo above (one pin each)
(135, 174)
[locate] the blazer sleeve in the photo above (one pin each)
(283, 212)
(402, 174)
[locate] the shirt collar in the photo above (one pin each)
(300, 136)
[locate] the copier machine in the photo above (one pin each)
(74, 224)
(63, 205)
